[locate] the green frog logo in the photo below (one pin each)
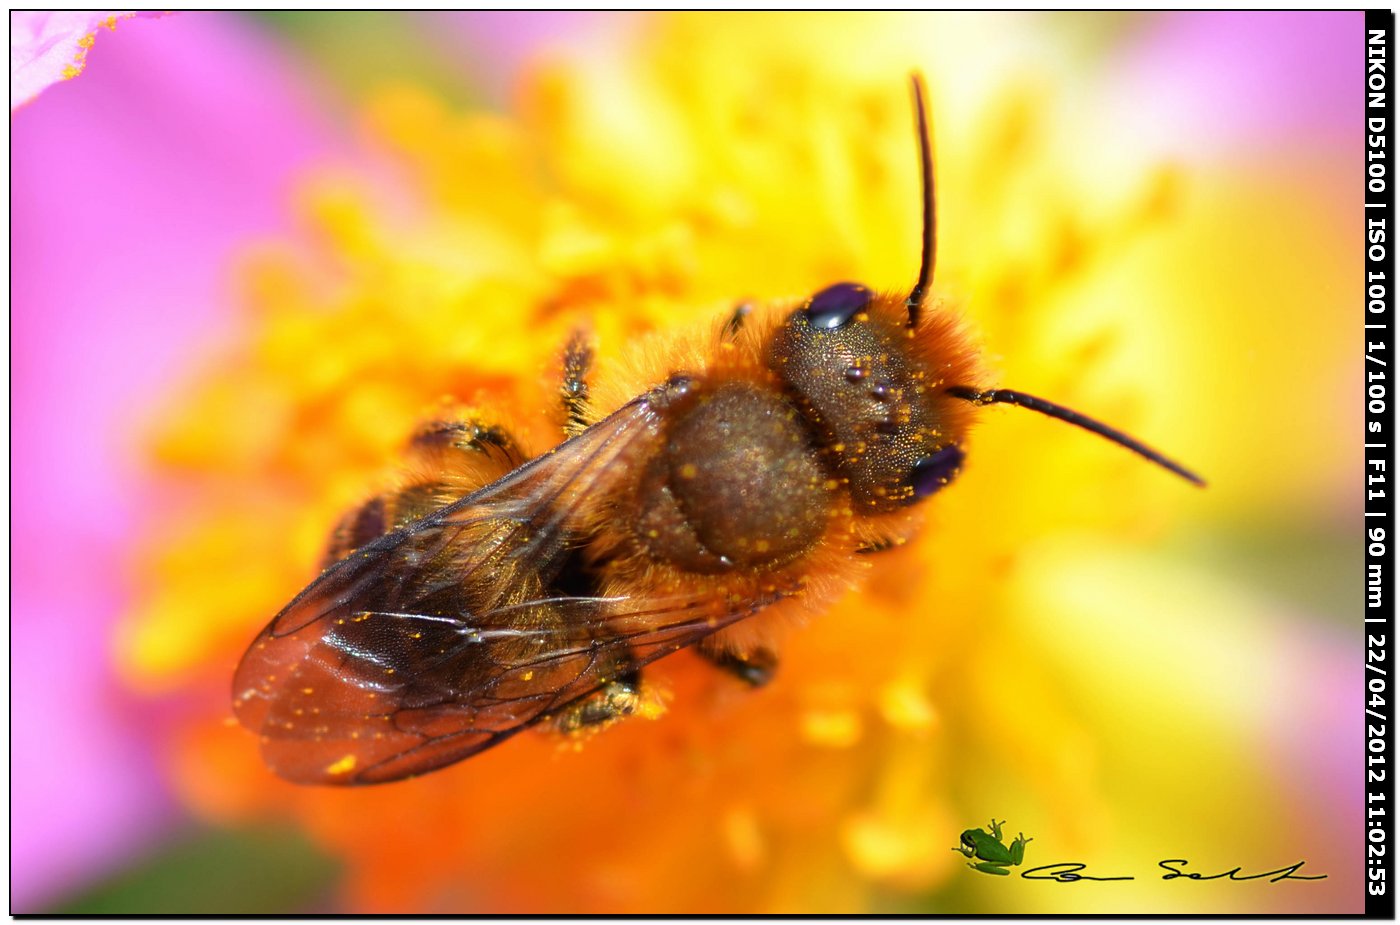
(988, 848)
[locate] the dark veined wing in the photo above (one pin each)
(444, 638)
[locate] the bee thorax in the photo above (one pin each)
(739, 484)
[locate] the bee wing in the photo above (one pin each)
(442, 639)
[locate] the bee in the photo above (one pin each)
(491, 592)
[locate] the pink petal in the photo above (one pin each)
(48, 46)
(1242, 80)
(131, 191)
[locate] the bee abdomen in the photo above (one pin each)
(383, 514)
(468, 451)
(356, 527)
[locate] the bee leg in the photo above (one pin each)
(616, 699)
(464, 435)
(755, 669)
(573, 392)
(735, 324)
(877, 545)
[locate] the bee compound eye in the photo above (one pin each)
(836, 305)
(933, 472)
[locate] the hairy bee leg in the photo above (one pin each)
(877, 546)
(470, 451)
(755, 669)
(573, 391)
(466, 439)
(735, 324)
(615, 700)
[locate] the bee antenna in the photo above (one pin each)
(1009, 397)
(915, 301)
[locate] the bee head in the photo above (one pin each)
(876, 397)
(848, 354)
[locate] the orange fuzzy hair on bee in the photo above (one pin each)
(738, 349)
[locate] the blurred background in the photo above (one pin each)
(249, 251)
